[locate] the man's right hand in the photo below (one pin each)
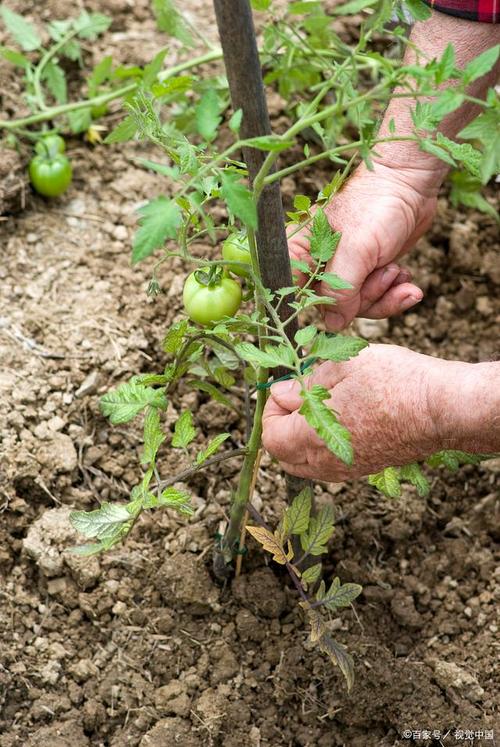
(381, 214)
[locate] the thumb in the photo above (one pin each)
(353, 267)
(286, 394)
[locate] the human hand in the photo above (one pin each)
(394, 402)
(381, 214)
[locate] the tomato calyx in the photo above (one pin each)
(210, 278)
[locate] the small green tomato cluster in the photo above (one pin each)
(50, 170)
(210, 296)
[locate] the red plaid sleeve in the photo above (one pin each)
(486, 11)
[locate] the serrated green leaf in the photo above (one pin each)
(122, 132)
(387, 481)
(14, 57)
(301, 266)
(429, 146)
(104, 523)
(153, 435)
(481, 64)
(123, 404)
(207, 115)
(261, 4)
(184, 431)
(90, 25)
(319, 531)
(413, 474)
(334, 281)
(464, 153)
(302, 202)
(216, 394)
(100, 73)
(339, 595)
(305, 335)
(239, 199)
(297, 515)
(223, 377)
(79, 120)
(213, 446)
(338, 655)
(446, 65)
(159, 221)
(152, 69)
(21, 30)
(419, 10)
(325, 423)
(311, 574)
(55, 79)
(175, 336)
(324, 240)
(338, 348)
(170, 21)
(452, 459)
(176, 499)
(271, 357)
(235, 120)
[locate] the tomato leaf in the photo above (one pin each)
(159, 221)
(239, 199)
(319, 531)
(184, 431)
(212, 447)
(21, 30)
(325, 423)
(337, 348)
(296, 517)
(270, 542)
(153, 435)
(324, 240)
(207, 115)
(124, 403)
(387, 481)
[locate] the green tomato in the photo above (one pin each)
(50, 145)
(208, 301)
(50, 176)
(235, 249)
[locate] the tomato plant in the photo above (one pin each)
(208, 298)
(333, 93)
(50, 175)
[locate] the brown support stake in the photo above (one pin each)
(241, 58)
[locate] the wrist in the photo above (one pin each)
(465, 406)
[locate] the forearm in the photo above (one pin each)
(429, 39)
(466, 406)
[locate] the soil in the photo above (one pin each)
(141, 646)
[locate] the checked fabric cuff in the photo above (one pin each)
(484, 11)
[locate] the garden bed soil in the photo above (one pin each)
(141, 647)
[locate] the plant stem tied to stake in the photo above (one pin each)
(241, 59)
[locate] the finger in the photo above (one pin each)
(398, 298)
(301, 470)
(285, 436)
(298, 249)
(379, 282)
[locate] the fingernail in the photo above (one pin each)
(334, 321)
(282, 387)
(390, 270)
(411, 300)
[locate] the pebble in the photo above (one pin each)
(89, 385)
(372, 329)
